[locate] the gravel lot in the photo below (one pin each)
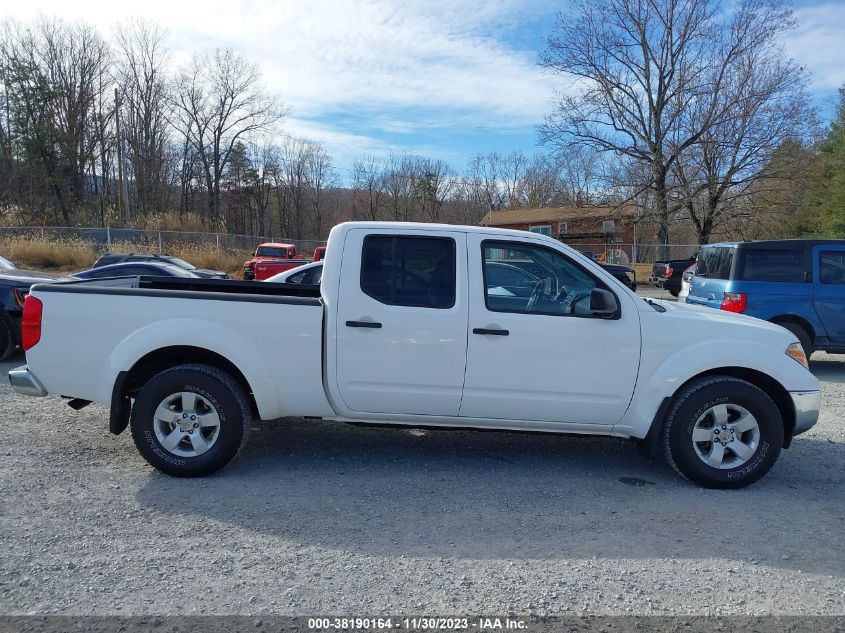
(317, 518)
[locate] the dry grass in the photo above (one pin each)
(37, 253)
(69, 255)
(208, 256)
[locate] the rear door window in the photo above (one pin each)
(715, 262)
(772, 264)
(409, 271)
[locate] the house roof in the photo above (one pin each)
(556, 214)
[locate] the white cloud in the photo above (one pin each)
(817, 44)
(397, 67)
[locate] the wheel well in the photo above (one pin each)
(148, 366)
(789, 318)
(779, 395)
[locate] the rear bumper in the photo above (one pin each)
(807, 405)
(25, 383)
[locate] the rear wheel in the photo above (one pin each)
(801, 334)
(190, 421)
(7, 335)
(722, 432)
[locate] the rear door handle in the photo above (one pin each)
(369, 324)
(481, 330)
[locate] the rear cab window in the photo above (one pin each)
(409, 271)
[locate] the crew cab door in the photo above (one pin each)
(542, 355)
(402, 322)
(829, 290)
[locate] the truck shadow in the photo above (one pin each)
(481, 495)
(828, 367)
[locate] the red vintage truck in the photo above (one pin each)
(270, 259)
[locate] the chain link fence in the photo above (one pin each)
(153, 241)
(629, 254)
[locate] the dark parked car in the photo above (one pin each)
(14, 286)
(668, 273)
(625, 274)
(130, 269)
(121, 258)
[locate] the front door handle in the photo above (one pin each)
(368, 324)
(485, 331)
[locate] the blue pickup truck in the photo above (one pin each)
(798, 284)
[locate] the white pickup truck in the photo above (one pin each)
(423, 325)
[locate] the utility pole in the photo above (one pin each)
(122, 192)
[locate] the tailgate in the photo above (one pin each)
(658, 271)
(707, 292)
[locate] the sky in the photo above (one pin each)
(442, 79)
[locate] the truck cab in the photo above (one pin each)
(271, 259)
(798, 284)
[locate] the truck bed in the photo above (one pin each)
(185, 288)
(94, 329)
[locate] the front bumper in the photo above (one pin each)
(25, 383)
(807, 405)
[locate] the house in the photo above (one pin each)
(588, 227)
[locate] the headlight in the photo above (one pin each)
(796, 353)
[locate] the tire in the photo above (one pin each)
(162, 412)
(713, 405)
(674, 293)
(801, 334)
(8, 335)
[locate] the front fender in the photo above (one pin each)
(195, 332)
(661, 377)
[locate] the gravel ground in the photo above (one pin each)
(317, 518)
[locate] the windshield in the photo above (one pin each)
(5, 264)
(181, 263)
(271, 251)
(176, 271)
(715, 262)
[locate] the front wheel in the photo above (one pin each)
(722, 432)
(190, 420)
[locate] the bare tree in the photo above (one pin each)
(766, 106)
(144, 88)
(54, 75)
(511, 175)
(399, 180)
(638, 70)
(220, 100)
(483, 172)
(263, 158)
(320, 178)
(294, 182)
(541, 182)
(367, 187)
(432, 187)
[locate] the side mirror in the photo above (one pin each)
(603, 303)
